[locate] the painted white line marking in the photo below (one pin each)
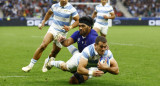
(11, 76)
(37, 36)
(129, 45)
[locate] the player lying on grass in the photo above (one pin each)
(84, 37)
(81, 64)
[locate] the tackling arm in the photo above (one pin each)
(67, 42)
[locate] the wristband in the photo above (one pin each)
(90, 73)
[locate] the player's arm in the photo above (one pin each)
(113, 66)
(75, 24)
(110, 17)
(47, 16)
(67, 42)
(82, 69)
(94, 14)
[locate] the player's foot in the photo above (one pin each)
(26, 69)
(44, 69)
(48, 64)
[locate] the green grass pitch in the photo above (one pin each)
(136, 49)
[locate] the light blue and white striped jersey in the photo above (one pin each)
(63, 15)
(91, 54)
(101, 11)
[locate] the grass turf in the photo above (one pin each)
(136, 49)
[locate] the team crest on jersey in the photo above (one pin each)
(78, 39)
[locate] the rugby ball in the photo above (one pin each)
(103, 59)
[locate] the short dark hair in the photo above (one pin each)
(87, 20)
(101, 39)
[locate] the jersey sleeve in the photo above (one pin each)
(74, 12)
(110, 55)
(85, 53)
(52, 7)
(75, 36)
(96, 8)
(111, 9)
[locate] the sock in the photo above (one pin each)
(33, 61)
(72, 49)
(48, 59)
(56, 63)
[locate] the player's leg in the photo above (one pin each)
(55, 51)
(47, 39)
(104, 31)
(70, 65)
(53, 54)
(56, 47)
(97, 27)
(72, 49)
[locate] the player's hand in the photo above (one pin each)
(98, 73)
(102, 66)
(40, 26)
(61, 39)
(105, 17)
(66, 28)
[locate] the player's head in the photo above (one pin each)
(101, 45)
(104, 1)
(85, 25)
(63, 2)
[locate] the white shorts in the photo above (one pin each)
(54, 32)
(72, 63)
(103, 29)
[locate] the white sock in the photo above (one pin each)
(72, 49)
(56, 63)
(33, 61)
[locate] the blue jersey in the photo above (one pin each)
(84, 41)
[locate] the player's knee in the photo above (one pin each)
(73, 80)
(77, 79)
(117, 72)
(63, 66)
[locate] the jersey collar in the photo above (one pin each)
(65, 5)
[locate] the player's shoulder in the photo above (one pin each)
(93, 34)
(76, 32)
(108, 5)
(55, 5)
(99, 5)
(108, 52)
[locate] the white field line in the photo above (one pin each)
(129, 44)
(12, 76)
(37, 36)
